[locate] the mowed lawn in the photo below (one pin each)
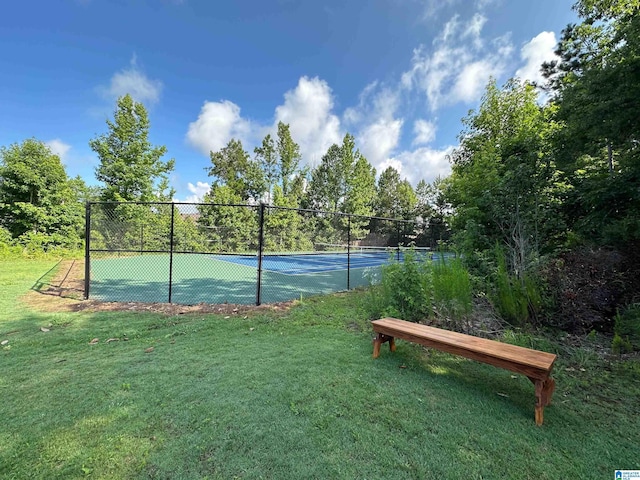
(290, 395)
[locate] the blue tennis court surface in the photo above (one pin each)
(292, 264)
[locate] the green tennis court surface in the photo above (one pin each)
(203, 278)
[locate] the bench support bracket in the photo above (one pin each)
(381, 338)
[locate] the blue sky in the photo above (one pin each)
(397, 74)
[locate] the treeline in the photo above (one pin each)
(530, 182)
(42, 209)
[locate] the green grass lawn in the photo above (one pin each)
(287, 395)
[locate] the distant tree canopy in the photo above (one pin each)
(130, 167)
(38, 202)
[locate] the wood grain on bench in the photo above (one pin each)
(534, 364)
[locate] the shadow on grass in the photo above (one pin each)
(45, 278)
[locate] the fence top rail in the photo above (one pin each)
(247, 205)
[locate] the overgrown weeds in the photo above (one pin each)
(418, 288)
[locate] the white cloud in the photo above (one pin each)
(59, 148)
(308, 109)
(425, 132)
(459, 64)
(474, 29)
(198, 191)
(472, 80)
(423, 164)
(534, 53)
(377, 130)
(133, 81)
(378, 140)
(433, 7)
(218, 123)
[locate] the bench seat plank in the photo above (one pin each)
(534, 364)
(526, 361)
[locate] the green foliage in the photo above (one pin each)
(130, 167)
(432, 211)
(289, 153)
(405, 290)
(627, 329)
(596, 87)
(227, 228)
(232, 167)
(621, 345)
(503, 185)
(452, 287)
(38, 203)
(517, 297)
(417, 288)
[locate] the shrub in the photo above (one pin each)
(518, 298)
(627, 330)
(415, 288)
(404, 290)
(452, 291)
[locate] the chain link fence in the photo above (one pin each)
(190, 253)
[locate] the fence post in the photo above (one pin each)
(349, 252)
(87, 249)
(171, 251)
(260, 248)
(398, 238)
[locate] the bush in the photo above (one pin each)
(452, 291)
(627, 330)
(416, 288)
(518, 298)
(404, 290)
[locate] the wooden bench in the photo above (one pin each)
(534, 364)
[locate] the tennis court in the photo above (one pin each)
(191, 253)
(231, 278)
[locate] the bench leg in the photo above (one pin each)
(544, 392)
(547, 390)
(381, 338)
(539, 385)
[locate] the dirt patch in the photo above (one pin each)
(64, 292)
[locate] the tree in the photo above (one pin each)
(36, 197)
(432, 210)
(267, 157)
(596, 87)
(227, 228)
(504, 187)
(130, 167)
(289, 153)
(232, 167)
(395, 197)
(343, 182)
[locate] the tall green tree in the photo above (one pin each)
(131, 168)
(37, 199)
(596, 87)
(395, 197)
(289, 153)
(232, 167)
(267, 157)
(504, 186)
(344, 181)
(227, 228)
(432, 211)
